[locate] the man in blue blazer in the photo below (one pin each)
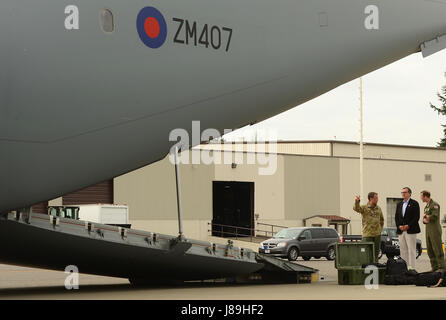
(406, 218)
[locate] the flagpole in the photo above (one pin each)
(361, 141)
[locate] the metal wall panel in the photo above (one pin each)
(100, 193)
(41, 207)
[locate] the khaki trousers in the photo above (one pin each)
(435, 251)
(408, 248)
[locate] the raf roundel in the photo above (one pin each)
(152, 27)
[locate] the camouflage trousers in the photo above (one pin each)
(377, 242)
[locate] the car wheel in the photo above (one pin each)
(317, 257)
(306, 258)
(331, 254)
(418, 252)
(293, 253)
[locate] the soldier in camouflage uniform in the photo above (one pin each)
(372, 221)
(431, 219)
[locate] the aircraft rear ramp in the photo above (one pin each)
(43, 241)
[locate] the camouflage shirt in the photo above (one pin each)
(372, 219)
(432, 210)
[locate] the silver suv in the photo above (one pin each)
(305, 242)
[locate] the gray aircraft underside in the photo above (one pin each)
(79, 106)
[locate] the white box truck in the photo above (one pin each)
(116, 215)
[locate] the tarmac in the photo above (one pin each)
(26, 283)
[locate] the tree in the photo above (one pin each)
(441, 110)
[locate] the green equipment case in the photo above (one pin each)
(350, 259)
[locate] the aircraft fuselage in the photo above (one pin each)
(83, 100)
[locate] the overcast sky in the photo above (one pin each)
(396, 108)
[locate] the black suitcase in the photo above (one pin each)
(396, 267)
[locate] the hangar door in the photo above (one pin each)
(233, 209)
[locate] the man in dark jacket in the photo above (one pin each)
(406, 218)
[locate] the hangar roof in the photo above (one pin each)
(335, 148)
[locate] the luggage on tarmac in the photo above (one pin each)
(406, 278)
(396, 280)
(428, 279)
(396, 267)
(397, 273)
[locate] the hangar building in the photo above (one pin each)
(314, 184)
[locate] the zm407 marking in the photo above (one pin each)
(191, 33)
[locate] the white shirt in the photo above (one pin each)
(405, 203)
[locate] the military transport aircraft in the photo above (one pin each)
(90, 90)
